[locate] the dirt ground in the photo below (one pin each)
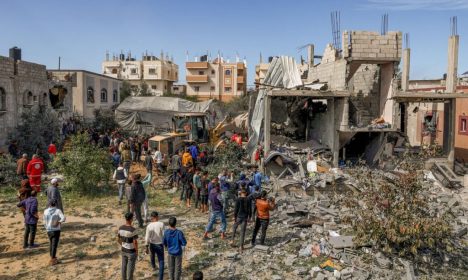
(88, 220)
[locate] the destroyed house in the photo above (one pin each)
(352, 105)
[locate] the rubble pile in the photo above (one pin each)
(308, 238)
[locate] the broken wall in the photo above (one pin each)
(422, 129)
(331, 70)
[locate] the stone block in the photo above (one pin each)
(339, 242)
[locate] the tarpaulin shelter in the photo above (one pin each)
(282, 73)
(150, 113)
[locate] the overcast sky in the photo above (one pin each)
(81, 31)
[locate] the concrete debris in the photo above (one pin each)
(340, 242)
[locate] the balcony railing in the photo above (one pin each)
(197, 78)
(196, 65)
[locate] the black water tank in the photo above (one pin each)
(270, 58)
(122, 56)
(204, 58)
(15, 53)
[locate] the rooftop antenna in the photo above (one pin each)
(336, 32)
(384, 24)
(454, 26)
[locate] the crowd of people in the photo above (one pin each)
(220, 196)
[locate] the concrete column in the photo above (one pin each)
(452, 68)
(334, 122)
(449, 130)
(310, 55)
(267, 124)
(344, 111)
(406, 69)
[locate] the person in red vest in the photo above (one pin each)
(34, 171)
(52, 150)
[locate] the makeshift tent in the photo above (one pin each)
(148, 114)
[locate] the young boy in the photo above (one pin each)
(30, 219)
(204, 192)
(128, 240)
(53, 218)
(174, 241)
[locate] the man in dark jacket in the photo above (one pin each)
(242, 213)
(216, 212)
(137, 197)
(149, 163)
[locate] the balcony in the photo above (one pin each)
(197, 78)
(240, 65)
(240, 79)
(196, 65)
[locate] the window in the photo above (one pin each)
(154, 87)
(104, 95)
(115, 96)
(463, 125)
(2, 100)
(28, 100)
(114, 71)
(227, 72)
(90, 95)
(212, 88)
(227, 89)
(213, 72)
(152, 71)
(133, 71)
(196, 89)
(430, 123)
(201, 72)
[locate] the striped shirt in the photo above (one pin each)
(127, 234)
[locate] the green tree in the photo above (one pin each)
(125, 90)
(86, 168)
(144, 89)
(104, 120)
(39, 127)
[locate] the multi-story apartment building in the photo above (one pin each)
(216, 79)
(159, 73)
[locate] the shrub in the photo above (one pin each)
(7, 170)
(226, 157)
(394, 213)
(104, 120)
(84, 166)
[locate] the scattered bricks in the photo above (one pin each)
(339, 242)
(452, 203)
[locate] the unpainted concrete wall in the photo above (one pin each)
(368, 45)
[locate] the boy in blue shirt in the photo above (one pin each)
(174, 241)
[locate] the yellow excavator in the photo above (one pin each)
(191, 127)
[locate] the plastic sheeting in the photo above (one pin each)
(282, 73)
(147, 114)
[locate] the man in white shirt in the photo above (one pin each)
(158, 159)
(154, 242)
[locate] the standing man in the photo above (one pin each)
(53, 194)
(126, 157)
(30, 219)
(137, 197)
(188, 186)
(176, 164)
(197, 183)
(22, 167)
(257, 178)
(158, 159)
(154, 242)
(128, 240)
(216, 212)
(194, 152)
(34, 171)
(120, 175)
(174, 241)
(264, 206)
(242, 213)
(204, 192)
(53, 218)
(187, 158)
(148, 163)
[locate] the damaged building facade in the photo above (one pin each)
(352, 104)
